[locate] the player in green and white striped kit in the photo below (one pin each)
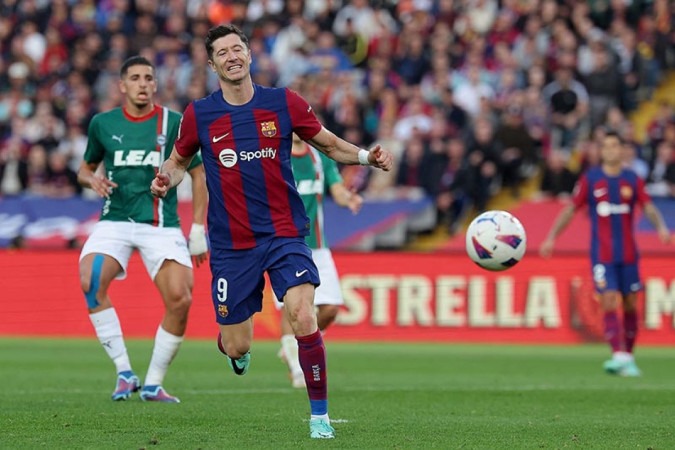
(130, 143)
(315, 174)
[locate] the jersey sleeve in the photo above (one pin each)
(330, 171)
(95, 150)
(303, 120)
(580, 193)
(641, 194)
(187, 143)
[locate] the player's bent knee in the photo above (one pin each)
(179, 303)
(90, 280)
(304, 322)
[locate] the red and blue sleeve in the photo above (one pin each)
(580, 194)
(187, 142)
(303, 120)
(641, 195)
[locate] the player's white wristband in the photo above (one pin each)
(197, 240)
(363, 157)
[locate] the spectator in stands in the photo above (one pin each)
(455, 116)
(61, 179)
(519, 150)
(415, 119)
(453, 184)
(37, 181)
(483, 163)
(664, 116)
(568, 104)
(13, 167)
(469, 94)
(603, 84)
(557, 179)
(412, 61)
(411, 168)
(661, 180)
(632, 161)
(380, 183)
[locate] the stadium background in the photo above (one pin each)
(469, 94)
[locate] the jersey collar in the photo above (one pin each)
(149, 115)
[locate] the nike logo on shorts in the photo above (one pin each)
(299, 274)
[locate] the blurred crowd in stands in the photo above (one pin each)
(472, 96)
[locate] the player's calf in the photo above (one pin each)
(238, 365)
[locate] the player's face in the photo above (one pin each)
(139, 85)
(611, 150)
(231, 59)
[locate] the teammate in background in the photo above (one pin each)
(315, 174)
(612, 192)
(257, 221)
(132, 142)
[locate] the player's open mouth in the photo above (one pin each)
(233, 68)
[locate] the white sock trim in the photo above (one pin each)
(321, 416)
(109, 332)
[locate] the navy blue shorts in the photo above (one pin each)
(624, 278)
(238, 280)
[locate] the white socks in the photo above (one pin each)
(290, 346)
(622, 356)
(109, 332)
(166, 347)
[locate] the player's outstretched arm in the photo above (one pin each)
(170, 174)
(561, 222)
(88, 177)
(197, 238)
(654, 216)
(346, 198)
(343, 152)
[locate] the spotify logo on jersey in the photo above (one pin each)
(228, 157)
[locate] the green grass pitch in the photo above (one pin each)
(55, 394)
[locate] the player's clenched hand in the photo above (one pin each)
(546, 248)
(197, 243)
(101, 185)
(160, 185)
(664, 235)
(380, 158)
(355, 202)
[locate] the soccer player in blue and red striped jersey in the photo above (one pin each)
(612, 193)
(256, 219)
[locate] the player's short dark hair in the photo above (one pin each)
(614, 134)
(134, 61)
(216, 33)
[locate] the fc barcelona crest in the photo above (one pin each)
(222, 311)
(268, 129)
(626, 192)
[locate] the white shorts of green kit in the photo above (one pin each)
(155, 244)
(328, 292)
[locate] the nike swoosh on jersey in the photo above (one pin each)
(219, 138)
(299, 274)
(600, 192)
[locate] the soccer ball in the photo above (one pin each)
(496, 240)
